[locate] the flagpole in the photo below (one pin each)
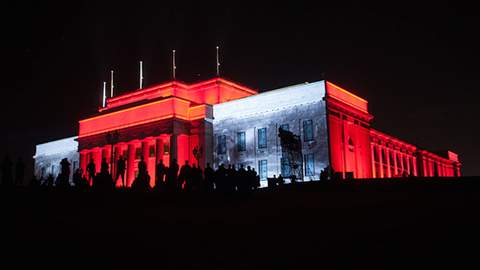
(104, 97)
(111, 83)
(218, 64)
(174, 67)
(141, 74)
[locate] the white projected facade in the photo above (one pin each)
(246, 130)
(48, 156)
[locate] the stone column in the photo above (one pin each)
(387, 153)
(395, 165)
(380, 161)
(414, 169)
(97, 158)
(407, 166)
(183, 149)
(402, 163)
(372, 148)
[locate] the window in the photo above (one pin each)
(241, 145)
(286, 171)
(262, 169)
(309, 165)
(151, 151)
(221, 144)
(285, 127)
(138, 152)
(375, 154)
(262, 138)
(166, 149)
(307, 130)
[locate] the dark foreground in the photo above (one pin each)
(309, 226)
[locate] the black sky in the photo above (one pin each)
(417, 65)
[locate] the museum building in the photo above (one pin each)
(222, 122)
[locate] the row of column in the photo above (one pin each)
(153, 149)
(442, 168)
(397, 168)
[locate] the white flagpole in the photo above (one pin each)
(174, 66)
(141, 74)
(111, 83)
(218, 64)
(104, 97)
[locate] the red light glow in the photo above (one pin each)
(346, 97)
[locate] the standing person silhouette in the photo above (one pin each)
(142, 165)
(120, 170)
(209, 175)
(172, 175)
(160, 174)
(91, 170)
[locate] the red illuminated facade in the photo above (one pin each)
(170, 120)
(368, 153)
(163, 122)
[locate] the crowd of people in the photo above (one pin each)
(173, 178)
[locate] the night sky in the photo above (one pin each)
(418, 66)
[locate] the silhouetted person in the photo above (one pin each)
(142, 166)
(19, 172)
(220, 176)
(142, 181)
(103, 180)
(280, 180)
(229, 180)
(196, 178)
(209, 178)
(79, 179)
(104, 166)
(121, 166)
(323, 175)
(250, 178)
(272, 182)
(242, 179)
(49, 181)
(91, 170)
(7, 177)
(293, 179)
(185, 173)
(64, 175)
(172, 172)
(160, 172)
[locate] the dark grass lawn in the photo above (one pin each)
(364, 224)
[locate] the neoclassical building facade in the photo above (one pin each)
(222, 122)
